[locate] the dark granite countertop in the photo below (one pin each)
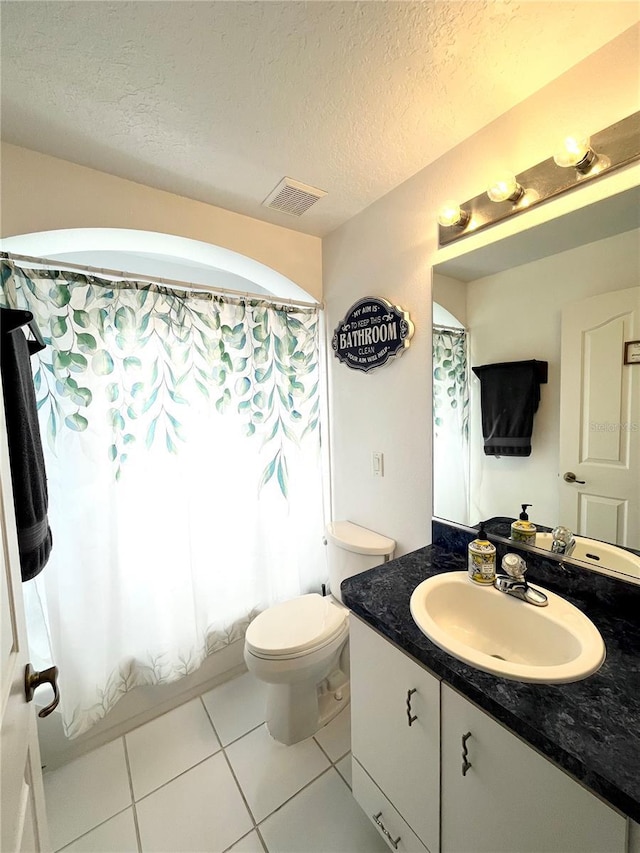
(590, 728)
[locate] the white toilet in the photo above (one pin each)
(300, 647)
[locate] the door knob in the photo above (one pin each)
(33, 680)
(570, 477)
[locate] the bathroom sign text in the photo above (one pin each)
(372, 332)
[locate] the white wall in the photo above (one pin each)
(42, 193)
(514, 315)
(451, 294)
(388, 251)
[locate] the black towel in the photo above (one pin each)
(509, 397)
(25, 451)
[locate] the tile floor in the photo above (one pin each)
(208, 777)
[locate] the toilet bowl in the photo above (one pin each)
(300, 647)
(296, 648)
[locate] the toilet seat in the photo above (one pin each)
(295, 628)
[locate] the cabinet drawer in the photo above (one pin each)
(375, 804)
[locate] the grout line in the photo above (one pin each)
(231, 770)
(261, 839)
(182, 773)
(242, 837)
(133, 800)
(236, 739)
(212, 724)
(84, 834)
(349, 786)
(338, 760)
(239, 786)
(293, 796)
(248, 732)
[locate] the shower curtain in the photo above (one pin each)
(450, 425)
(182, 446)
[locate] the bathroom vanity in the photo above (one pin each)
(449, 758)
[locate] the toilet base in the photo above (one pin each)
(297, 711)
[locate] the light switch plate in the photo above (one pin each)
(377, 463)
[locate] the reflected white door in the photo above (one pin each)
(600, 418)
(22, 812)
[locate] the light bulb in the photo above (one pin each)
(575, 150)
(505, 187)
(452, 214)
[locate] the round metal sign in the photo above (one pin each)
(372, 332)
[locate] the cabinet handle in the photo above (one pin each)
(385, 831)
(410, 717)
(466, 764)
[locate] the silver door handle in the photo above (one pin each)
(570, 477)
(385, 831)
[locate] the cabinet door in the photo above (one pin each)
(387, 690)
(511, 798)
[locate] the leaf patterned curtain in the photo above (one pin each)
(181, 438)
(450, 424)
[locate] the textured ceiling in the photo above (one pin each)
(218, 101)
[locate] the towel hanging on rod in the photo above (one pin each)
(14, 318)
(28, 474)
(509, 398)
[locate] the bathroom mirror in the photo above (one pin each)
(567, 293)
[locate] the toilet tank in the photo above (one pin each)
(352, 549)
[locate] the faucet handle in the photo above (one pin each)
(562, 540)
(514, 566)
(562, 533)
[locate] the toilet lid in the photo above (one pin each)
(295, 626)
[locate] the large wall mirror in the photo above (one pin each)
(567, 293)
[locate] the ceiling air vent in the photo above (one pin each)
(292, 197)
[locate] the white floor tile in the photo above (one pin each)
(269, 772)
(86, 792)
(324, 818)
(237, 706)
(335, 738)
(169, 745)
(344, 769)
(249, 844)
(117, 835)
(202, 810)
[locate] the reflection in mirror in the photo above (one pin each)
(575, 310)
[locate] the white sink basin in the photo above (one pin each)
(503, 635)
(600, 555)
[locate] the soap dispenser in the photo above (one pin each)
(482, 559)
(523, 530)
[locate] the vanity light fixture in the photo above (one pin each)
(583, 159)
(575, 150)
(505, 188)
(451, 214)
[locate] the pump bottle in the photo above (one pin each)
(523, 530)
(482, 559)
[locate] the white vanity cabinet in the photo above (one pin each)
(409, 779)
(395, 721)
(511, 798)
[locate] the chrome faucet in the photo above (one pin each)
(514, 583)
(563, 541)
